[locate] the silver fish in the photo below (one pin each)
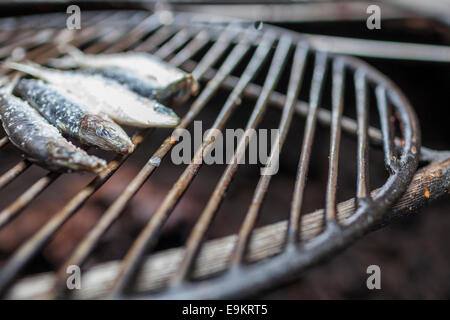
(69, 115)
(42, 142)
(105, 96)
(141, 72)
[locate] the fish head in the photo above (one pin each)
(180, 91)
(103, 132)
(63, 154)
(162, 116)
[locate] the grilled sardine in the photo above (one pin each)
(105, 95)
(42, 142)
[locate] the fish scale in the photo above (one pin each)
(138, 71)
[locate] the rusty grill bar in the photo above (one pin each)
(324, 231)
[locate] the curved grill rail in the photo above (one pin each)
(294, 244)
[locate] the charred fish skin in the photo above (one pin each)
(108, 96)
(40, 141)
(168, 81)
(60, 109)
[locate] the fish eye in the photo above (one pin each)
(161, 109)
(61, 152)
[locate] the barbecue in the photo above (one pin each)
(248, 78)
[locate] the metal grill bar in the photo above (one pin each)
(13, 173)
(362, 183)
(7, 35)
(199, 41)
(162, 34)
(10, 37)
(214, 53)
(386, 128)
(177, 41)
(300, 183)
(163, 40)
(277, 99)
(3, 141)
(337, 108)
(20, 203)
(271, 81)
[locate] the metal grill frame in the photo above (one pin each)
(296, 255)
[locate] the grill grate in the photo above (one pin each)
(305, 239)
